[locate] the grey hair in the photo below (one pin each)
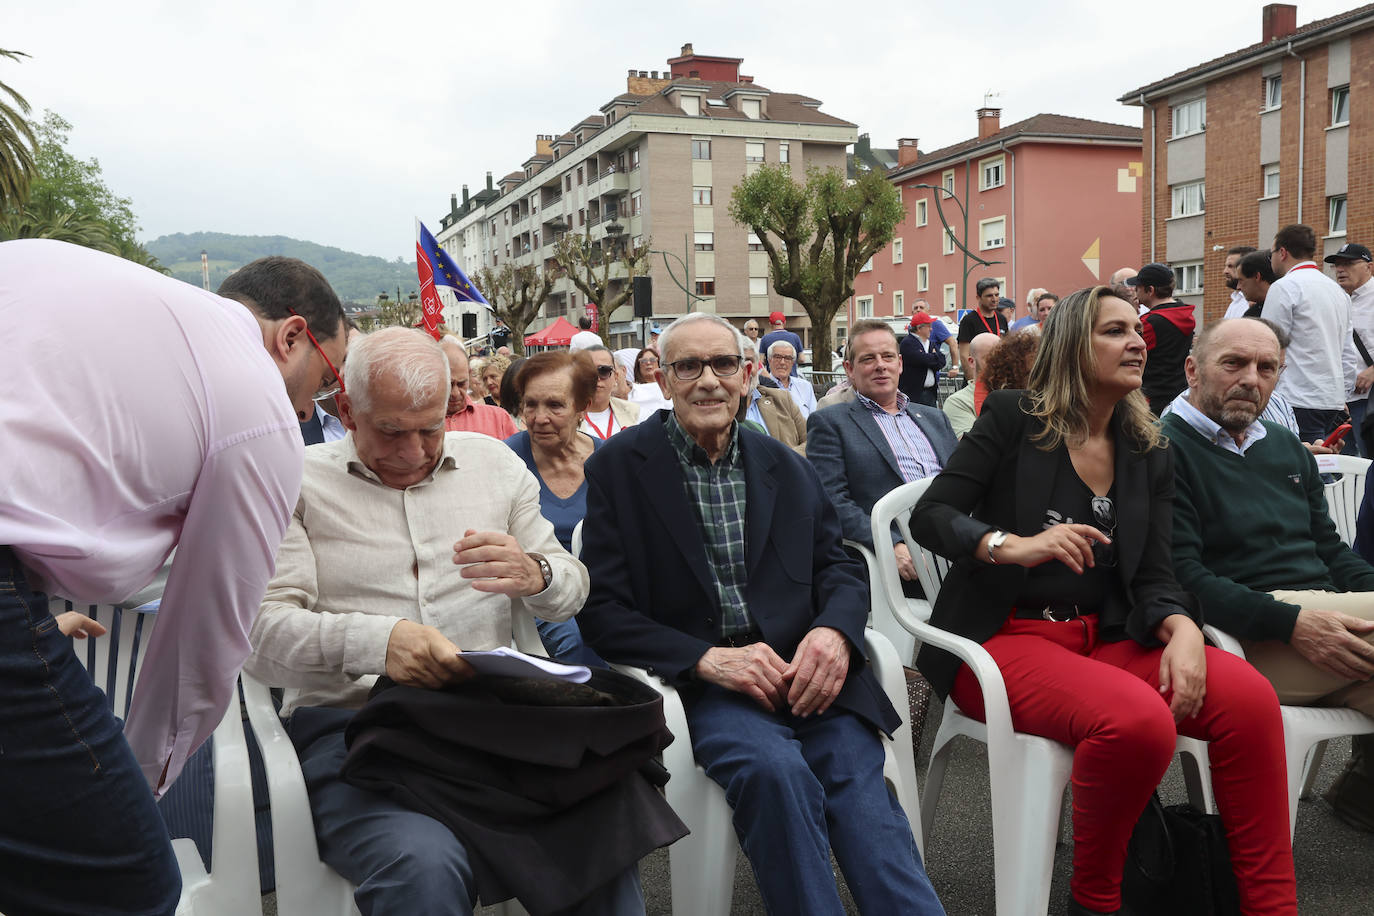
(666, 339)
(411, 357)
(782, 343)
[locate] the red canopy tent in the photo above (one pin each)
(558, 334)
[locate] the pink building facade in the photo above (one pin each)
(1053, 201)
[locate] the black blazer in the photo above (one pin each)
(1004, 479)
(652, 602)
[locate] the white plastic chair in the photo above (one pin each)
(880, 618)
(702, 864)
(232, 887)
(1306, 729)
(1343, 496)
(1028, 773)
(307, 886)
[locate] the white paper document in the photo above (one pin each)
(511, 663)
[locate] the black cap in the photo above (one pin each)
(1349, 252)
(1005, 303)
(1153, 275)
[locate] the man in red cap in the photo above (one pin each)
(778, 322)
(921, 361)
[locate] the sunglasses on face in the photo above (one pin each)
(605, 371)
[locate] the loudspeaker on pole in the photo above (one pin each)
(644, 297)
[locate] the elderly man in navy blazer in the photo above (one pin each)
(865, 448)
(716, 563)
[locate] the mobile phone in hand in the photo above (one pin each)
(1336, 436)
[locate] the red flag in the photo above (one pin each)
(591, 312)
(429, 296)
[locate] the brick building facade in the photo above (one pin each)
(1278, 132)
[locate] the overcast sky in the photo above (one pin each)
(340, 122)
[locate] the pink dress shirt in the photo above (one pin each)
(141, 414)
(481, 418)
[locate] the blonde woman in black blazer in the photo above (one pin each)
(1057, 510)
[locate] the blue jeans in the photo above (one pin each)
(401, 861)
(563, 641)
(79, 832)
(1314, 423)
(800, 788)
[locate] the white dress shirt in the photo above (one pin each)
(361, 556)
(1315, 311)
(1212, 431)
(801, 392)
(141, 414)
(1362, 322)
(1239, 305)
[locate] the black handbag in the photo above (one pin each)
(1177, 864)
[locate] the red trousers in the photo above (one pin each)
(1103, 699)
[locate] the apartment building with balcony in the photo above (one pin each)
(658, 162)
(1278, 132)
(1052, 201)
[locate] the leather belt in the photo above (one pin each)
(1055, 613)
(740, 640)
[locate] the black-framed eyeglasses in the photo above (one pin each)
(605, 371)
(327, 391)
(721, 366)
(1104, 517)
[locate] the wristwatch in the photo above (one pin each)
(997, 540)
(544, 568)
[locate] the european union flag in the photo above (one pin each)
(446, 273)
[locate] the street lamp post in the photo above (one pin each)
(971, 260)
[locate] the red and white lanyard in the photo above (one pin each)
(610, 425)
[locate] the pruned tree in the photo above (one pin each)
(399, 312)
(516, 294)
(17, 142)
(589, 268)
(817, 235)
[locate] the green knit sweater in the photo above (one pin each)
(1247, 525)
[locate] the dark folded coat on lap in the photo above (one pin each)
(544, 783)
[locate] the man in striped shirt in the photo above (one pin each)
(864, 448)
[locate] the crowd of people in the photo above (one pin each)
(1083, 487)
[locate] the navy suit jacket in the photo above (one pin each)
(856, 465)
(653, 603)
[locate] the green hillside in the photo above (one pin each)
(355, 277)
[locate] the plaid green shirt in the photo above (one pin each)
(716, 492)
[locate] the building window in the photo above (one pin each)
(705, 241)
(582, 217)
(634, 157)
(1189, 199)
(1273, 92)
(949, 241)
(635, 202)
(868, 265)
(949, 297)
(752, 108)
(922, 277)
(899, 303)
(701, 196)
(701, 149)
(1340, 105)
(579, 174)
(922, 212)
(896, 251)
(992, 173)
(1336, 208)
(865, 306)
(758, 286)
(947, 181)
(1190, 118)
(567, 182)
(706, 286)
(753, 151)
(784, 152)
(1188, 278)
(691, 105)
(992, 233)
(754, 243)
(1271, 181)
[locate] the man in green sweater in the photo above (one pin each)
(1253, 538)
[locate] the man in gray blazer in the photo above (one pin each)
(866, 447)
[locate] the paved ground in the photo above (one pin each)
(1335, 863)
